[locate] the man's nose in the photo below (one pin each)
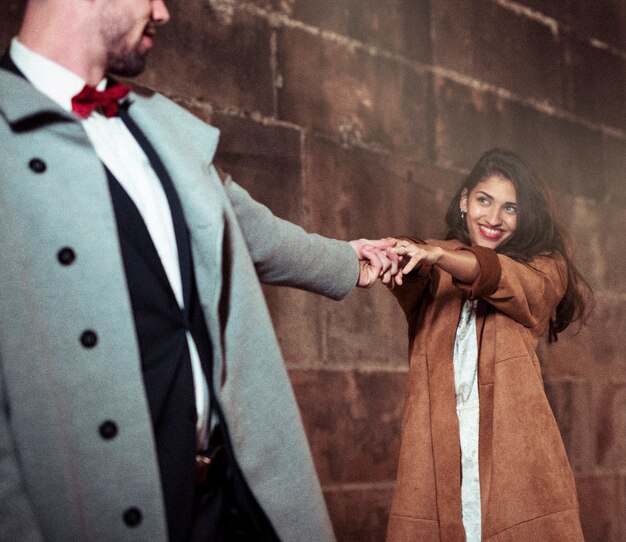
(160, 13)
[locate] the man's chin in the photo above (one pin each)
(127, 67)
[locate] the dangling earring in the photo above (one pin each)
(463, 213)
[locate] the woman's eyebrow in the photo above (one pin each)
(486, 194)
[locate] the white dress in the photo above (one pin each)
(467, 409)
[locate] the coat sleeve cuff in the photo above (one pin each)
(488, 279)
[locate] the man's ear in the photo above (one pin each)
(463, 201)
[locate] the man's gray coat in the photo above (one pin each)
(59, 479)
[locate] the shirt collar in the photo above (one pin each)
(50, 78)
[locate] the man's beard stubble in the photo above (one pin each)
(129, 63)
(122, 59)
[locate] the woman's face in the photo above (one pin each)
(491, 209)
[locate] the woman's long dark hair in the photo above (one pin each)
(539, 230)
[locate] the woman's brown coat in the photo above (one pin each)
(527, 488)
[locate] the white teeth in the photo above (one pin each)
(490, 231)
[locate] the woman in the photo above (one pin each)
(481, 455)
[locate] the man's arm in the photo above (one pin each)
(284, 254)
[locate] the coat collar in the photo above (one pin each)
(20, 101)
(185, 144)
(158, 116)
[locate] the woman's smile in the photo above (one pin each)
(491, 211)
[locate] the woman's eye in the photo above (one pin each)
(483, 201)
(511, 209)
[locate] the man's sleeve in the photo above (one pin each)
(284, 254)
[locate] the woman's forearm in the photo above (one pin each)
(461, 264)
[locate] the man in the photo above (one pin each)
(142, 391)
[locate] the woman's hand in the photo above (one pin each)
(461, 264)
(416, 255)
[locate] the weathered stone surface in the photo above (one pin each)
(266, 161)
(222, 57)
(600, 515)
(366, 329)
(599, 246)
(597, 351)
(355, 192)
(400, 26)
(614, 170)
(596, 84)
(359, 514)
(352, 420)
(10, 21)
(604, 20)
(568, 156)
(611, 424)
(550, 8)
(300, 320)
(613, 247)
(489, 43)
(571, 402)
(348, 93)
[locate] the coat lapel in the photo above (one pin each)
(201, 194)
(178, 218)
(22, 104)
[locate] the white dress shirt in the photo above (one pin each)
(123, 156)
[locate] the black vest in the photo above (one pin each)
(161, 328)
(166, 364)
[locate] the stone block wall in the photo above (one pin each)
(358, 118)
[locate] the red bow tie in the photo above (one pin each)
(105, 101)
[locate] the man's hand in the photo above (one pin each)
(375, 260)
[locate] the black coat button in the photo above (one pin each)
(108, 430)
(37, 165)
(66, 256)
(132, 517)
(89, 339)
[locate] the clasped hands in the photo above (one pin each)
(390, 259)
